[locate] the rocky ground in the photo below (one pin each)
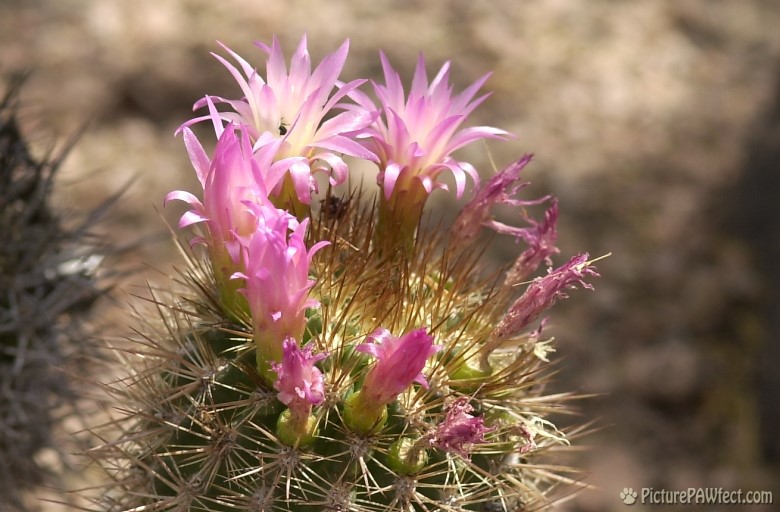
(655, 122)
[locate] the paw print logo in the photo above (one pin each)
(628, 495)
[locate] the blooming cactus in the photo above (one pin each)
(374, 369)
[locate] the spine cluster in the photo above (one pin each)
(49, 259)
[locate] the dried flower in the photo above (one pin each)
(460, 430)
(539, 236)
(290, 107)
(298, 381)
(542, 294)
(276, 280)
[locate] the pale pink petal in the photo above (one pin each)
(200, 161)
(191, 217)
(182, 195)
(392, 171)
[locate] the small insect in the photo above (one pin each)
(494, 506)
(335, 207)
(282, 129)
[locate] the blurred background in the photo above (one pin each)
(656, 123)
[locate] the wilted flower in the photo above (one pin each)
(460, 430)
(542, 294)
(299, 382)
(498, 190)
(400, 362)
(415, 137)
(539, 236)
(276, 280)
(290, 107)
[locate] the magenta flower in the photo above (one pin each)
(298, 381)
(400, 362)
(227, 180)
(460, 431)
(290, 107)
(542, 293)
(276, 279)
(416, 135)
(232, 178)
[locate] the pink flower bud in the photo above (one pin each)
(460, 430)
(276, 278)
(400, 362)
(299, 382)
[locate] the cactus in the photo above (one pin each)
(48, 282)
(341, 357)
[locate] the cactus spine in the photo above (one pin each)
(48, 282)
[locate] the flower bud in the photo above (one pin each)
(400, 362)
(298, 381)
(276, 281)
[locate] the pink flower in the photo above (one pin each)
(416, 135)
(276, 278)
(290, 107)
(542, 293)
(230, 179)
(460, 430)
(400, 362)
(299, 382)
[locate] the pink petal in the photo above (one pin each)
(191, 217)
(420, 79)
(468, 135)
(390, 176)
(200, 161)
(183, 195)
(347, 146)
